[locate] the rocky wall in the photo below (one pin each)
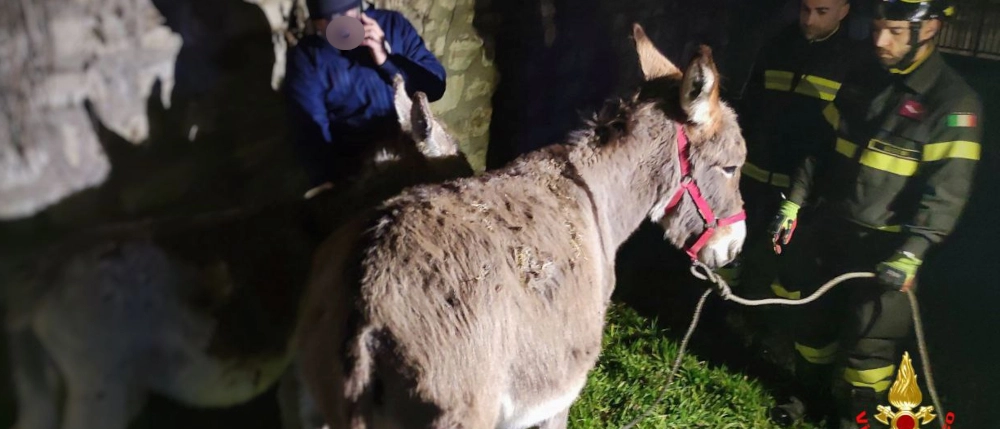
(447, 28)
(116, 110)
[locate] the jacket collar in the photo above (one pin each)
(922, 74)
(833, 33)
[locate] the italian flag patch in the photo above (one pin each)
(961, 120)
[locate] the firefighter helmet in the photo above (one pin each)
(913, 10)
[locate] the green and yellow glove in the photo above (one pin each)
(899, 272)
(784, 225)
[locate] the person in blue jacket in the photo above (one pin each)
(339, 99)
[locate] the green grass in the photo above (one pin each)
(633, 369)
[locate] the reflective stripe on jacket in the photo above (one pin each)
(904, 155)
(791, 82)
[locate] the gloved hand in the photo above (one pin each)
(899, 271)
(784, 225)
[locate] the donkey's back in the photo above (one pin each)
(510, 284)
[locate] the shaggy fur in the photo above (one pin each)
(480, 302)
(201, 310)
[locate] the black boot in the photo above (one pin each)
(857, 406)
(810, 397)
(790, 411)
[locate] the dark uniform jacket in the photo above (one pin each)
(792, 81)
(904, 155)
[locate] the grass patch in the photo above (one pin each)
(633, 369)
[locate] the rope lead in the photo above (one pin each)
(703, 272)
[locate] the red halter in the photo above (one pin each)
(689, 186)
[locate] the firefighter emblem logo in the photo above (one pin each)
(905, 396)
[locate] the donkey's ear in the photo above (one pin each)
(432, 140)
(700, 91)
(654, 63)
(402, 102)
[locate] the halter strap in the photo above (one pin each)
(690, 187)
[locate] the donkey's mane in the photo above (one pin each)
(618, 116)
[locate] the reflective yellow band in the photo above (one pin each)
(832, 115)
(826, 83)
(877, 378)
(886, 228)
(846, 148)
(780, 290)
(886, 162)
(877, 159)
(781, 180)
(883, 156)
(821, 356)
(755, 172)
(955, 149)
(764, 176)
(778, 80)
(815, 86)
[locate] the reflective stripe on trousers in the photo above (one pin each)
(877, 379)
(818, 355)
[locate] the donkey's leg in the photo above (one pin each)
(558, 421)
(298, 410)
(288, 399)
(36, 382)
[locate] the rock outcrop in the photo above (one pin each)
(115, 109)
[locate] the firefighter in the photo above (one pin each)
(888, 188)
(794, 76)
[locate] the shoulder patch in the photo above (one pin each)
(962, 120)
(912, 109)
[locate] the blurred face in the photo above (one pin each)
(892, 39)
(819, 18)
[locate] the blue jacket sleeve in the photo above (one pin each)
(420, 68)
(305, 89)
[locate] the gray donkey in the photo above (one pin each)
(200, 310)
(480, 302)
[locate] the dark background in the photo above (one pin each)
(959, 281)
(541, 94)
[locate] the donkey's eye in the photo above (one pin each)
(729, 171)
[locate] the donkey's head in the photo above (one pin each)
(443, 158)
(701, 208)
(414, 149)
(418, 149)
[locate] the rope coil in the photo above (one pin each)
(703, 272)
